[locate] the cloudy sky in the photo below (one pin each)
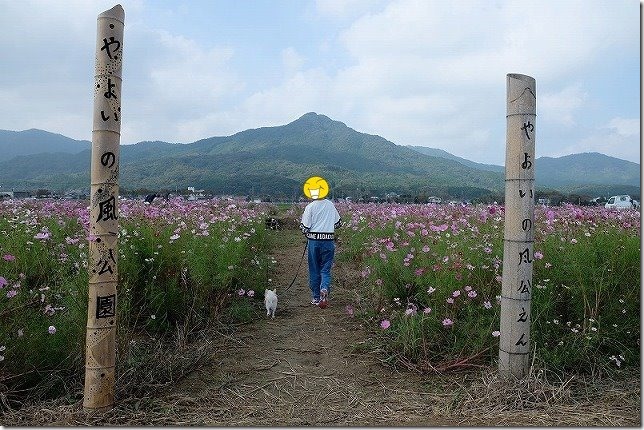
(417, 72)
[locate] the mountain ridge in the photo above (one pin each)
(278, 159)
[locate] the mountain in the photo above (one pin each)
(33, 141)
(277, 160)
(586, 173)
(586, 168)
(267, 160)
(435, 152)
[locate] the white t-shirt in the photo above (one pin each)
(320, 216)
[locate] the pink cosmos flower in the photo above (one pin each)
(349, 309)
(471, 294)
(456, 293)
(411, 310)
(425, 248)
(427, 310)
(250, 293)
(384, 324)
(241, 291)
(8, 257)
(11, 293)
(52, 329)
(538, 255)
(431, 290)
(447, 322)
(487, 304)
(450, 300)
(43, 235)
(3, 282)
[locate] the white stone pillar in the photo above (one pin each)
(518, 253)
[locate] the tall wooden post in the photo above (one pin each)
(100, 354)
(518, 253)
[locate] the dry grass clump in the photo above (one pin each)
(501, 393)
(148, 365)
(543, 398)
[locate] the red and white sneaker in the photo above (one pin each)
(323, 299)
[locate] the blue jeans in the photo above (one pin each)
(320, 256)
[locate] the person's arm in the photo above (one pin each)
(338, 220)
(305, 224)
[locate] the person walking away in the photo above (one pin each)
(319, 221)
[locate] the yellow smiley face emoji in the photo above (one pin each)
(316, 188)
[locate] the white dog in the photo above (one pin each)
(270, 300)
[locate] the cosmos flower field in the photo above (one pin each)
(434, 273)
(178, 263)
(430, 278)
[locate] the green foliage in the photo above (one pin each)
(435, 278)
(179, 265)
(186, 281)
(45, 290)
(587, 299)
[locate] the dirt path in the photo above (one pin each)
(303, 368)
(306, 367)
(299, 368)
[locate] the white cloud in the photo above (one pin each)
(292, 60)
(562, 106)
(341, 9)
(302, 92)
(173, 86)
(459, 52)
(421, 72)
(188, 73)
(482, 40)
(626, 127)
